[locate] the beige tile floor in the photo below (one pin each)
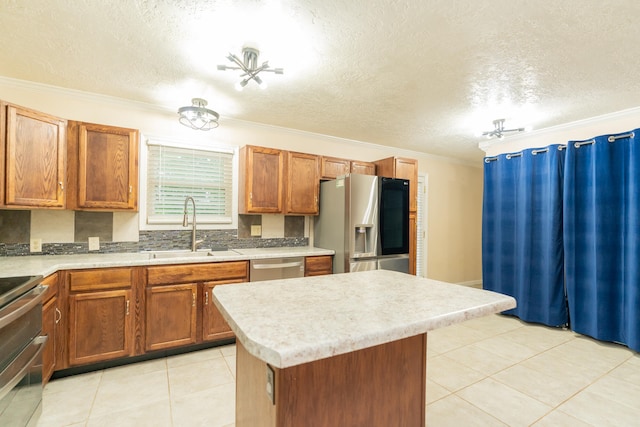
(493, 371)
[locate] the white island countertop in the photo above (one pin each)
(293, 321)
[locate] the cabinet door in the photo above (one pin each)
(214, 327)
(170, 316)
(318, 265)
(413, 240)
(261, 180)
(50, 318)
(107, 167)
(400, 167)
(408, 169)
(303, 184)
(331, 167)
(35, 159)
(100, 326)
(363, 168)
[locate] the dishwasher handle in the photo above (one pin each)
(257, 266)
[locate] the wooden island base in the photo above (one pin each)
(381, 386)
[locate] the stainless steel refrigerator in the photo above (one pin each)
(365, 220)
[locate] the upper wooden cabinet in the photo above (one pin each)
(33, 156)
(261, 180)
(278, 181)
(303, 184)
(103, 167)
(364, 168)
(333, 167)
(400, 167)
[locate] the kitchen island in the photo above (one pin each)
(340, 350)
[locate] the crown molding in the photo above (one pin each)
(154, 108)
(630, 112)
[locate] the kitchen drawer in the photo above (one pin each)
(187, 273)
(99, 279)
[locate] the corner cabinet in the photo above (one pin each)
(103, 167)
(33, 158)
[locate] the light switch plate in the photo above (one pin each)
(94, 243)
(256, 230)
(35, 245)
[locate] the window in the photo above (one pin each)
(173, 173)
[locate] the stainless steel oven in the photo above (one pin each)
(21, 348)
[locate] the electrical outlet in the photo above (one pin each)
(35, 245)
(256, 230)
(94, 243)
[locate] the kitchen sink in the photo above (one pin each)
(185, 253)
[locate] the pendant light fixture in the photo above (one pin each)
(249, 67)
(197, 116)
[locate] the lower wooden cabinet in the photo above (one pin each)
(100, 326)
(318, 265)
(179, 303)
(51, 317)
(170, 316)
(49, 330)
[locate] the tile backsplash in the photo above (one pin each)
(67, 232)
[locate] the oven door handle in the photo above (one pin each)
(18, 307)
(13, 373)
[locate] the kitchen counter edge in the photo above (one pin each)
(48, 264)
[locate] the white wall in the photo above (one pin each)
(455, 188)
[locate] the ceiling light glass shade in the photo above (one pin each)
(197, 116)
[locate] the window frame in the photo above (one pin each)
(150, 140)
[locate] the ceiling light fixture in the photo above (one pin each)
(249, 66)
(499, 130)
(197, 116)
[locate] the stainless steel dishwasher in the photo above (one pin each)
(276, 268)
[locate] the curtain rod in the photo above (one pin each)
(612, 138)
(580, 144)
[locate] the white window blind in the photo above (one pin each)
(173, 173)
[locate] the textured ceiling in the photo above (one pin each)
(424, 75)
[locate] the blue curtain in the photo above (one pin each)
(602, 237)
(522, 250)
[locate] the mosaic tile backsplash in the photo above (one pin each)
(14, 236)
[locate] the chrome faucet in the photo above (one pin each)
(185, 222)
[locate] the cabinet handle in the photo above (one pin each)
(193, 299)
(251, 196)
(130, 189)
(58, 315)
(61, 185)
(127, 308)
(206, 298)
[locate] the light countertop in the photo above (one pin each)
(293, 321)
(48, 264)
